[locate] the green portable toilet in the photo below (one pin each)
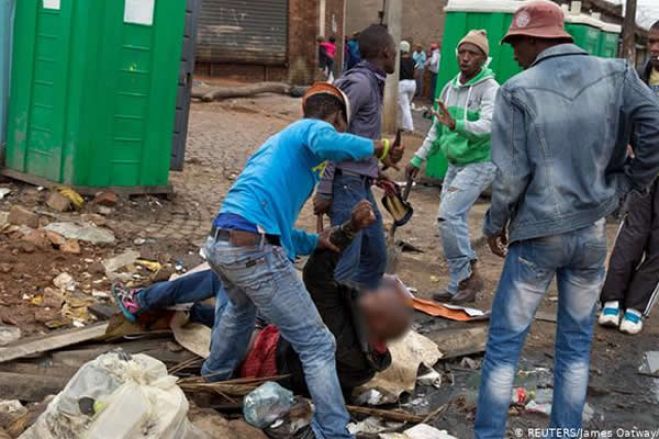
(94, 90)
(6, 25)
(585, 30)
(609, 40)
(461, 17)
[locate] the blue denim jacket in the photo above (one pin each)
(559, 137)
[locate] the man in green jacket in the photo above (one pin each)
(461, 131)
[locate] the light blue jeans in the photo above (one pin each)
(262, 278)
(461, 188)
(577, 260)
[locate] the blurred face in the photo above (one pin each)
(526, 51)
(470, 59)
(653, 47)
(386, 312)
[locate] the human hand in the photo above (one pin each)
(443, 116)
(411, 172)
(362, 216)
(321, 204)
(498, 244)
(325, 242)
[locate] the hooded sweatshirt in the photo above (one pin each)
(471, 105)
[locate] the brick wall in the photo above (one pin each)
(423, 20)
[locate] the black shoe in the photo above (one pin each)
(443, 297)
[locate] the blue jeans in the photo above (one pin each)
(262, 278)
(461, 188)
(363, 263)
(193, 288)
(577, 260)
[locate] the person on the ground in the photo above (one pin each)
(461, 131)
(406, 87)
(632, 283)
(253, 242)
(559, 137)
(344, 183)
(432, 63)
(419, 57)
(361, 324)
(353, 55)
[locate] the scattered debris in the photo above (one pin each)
(20, 216)
(94, 218)
(9, 334)
(217, 427)
(431, 378)
(421, 431)
(10, 410)
(106, 198)
(58, 202)
(266, 404)
(87, 233)
(469, 363)
(74, 197)
(116, 263)
(4, 191)
(71, 246)
(153, 266)
(65, 282)
(103, 210)
(38, 238)
(451, 312)
(407, 354)
(458, 342)
(373, 425)
(139, 241)
(55, 239)
(652, 361)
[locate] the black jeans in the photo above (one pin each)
(633, 277)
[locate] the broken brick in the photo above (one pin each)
(106, 198)
(58, 202)
(20, 216)
(71, 246)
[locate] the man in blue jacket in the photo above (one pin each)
(253, 243)
(559, 138)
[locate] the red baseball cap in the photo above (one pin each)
(538, 19)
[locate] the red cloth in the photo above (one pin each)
(261, 360)
(330, 48)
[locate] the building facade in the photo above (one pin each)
(266, 40)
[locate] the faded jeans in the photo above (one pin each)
(577, 260)
(363, 263)
(192, 288)
(262, 278)
(461, 188)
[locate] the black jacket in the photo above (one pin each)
(356, 362)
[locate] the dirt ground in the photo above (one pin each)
(222, 135)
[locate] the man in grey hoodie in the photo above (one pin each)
(462, 132)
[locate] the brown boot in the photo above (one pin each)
(469, 288)
(442, 297)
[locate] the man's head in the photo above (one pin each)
(326, 102)
(377, 46)
(472, 52)
(653, 45)
(418, 48)
(386, 311)
(332, 39)
(536, 26)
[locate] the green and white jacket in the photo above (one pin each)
(471, 105)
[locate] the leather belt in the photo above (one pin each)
(240, 238)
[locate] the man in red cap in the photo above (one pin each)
(559, 138)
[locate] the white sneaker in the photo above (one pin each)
(610, 315)
(632, 322)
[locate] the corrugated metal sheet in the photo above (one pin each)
(243, 31)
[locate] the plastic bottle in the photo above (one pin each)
(267, 403)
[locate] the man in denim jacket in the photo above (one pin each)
(559, 138)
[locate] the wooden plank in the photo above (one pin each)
(50, 342)
(30, 388)
(458, 342)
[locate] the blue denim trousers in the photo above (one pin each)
(363, 263)
(261, 278)
(461, 188)
(577, 260)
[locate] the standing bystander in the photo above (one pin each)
(406, 87)
(462, 132)
(559, 139)
(433, 63)
(632, 284)
(419, 57)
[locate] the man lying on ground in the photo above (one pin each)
(361, 324)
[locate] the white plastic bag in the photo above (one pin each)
(117, 396)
